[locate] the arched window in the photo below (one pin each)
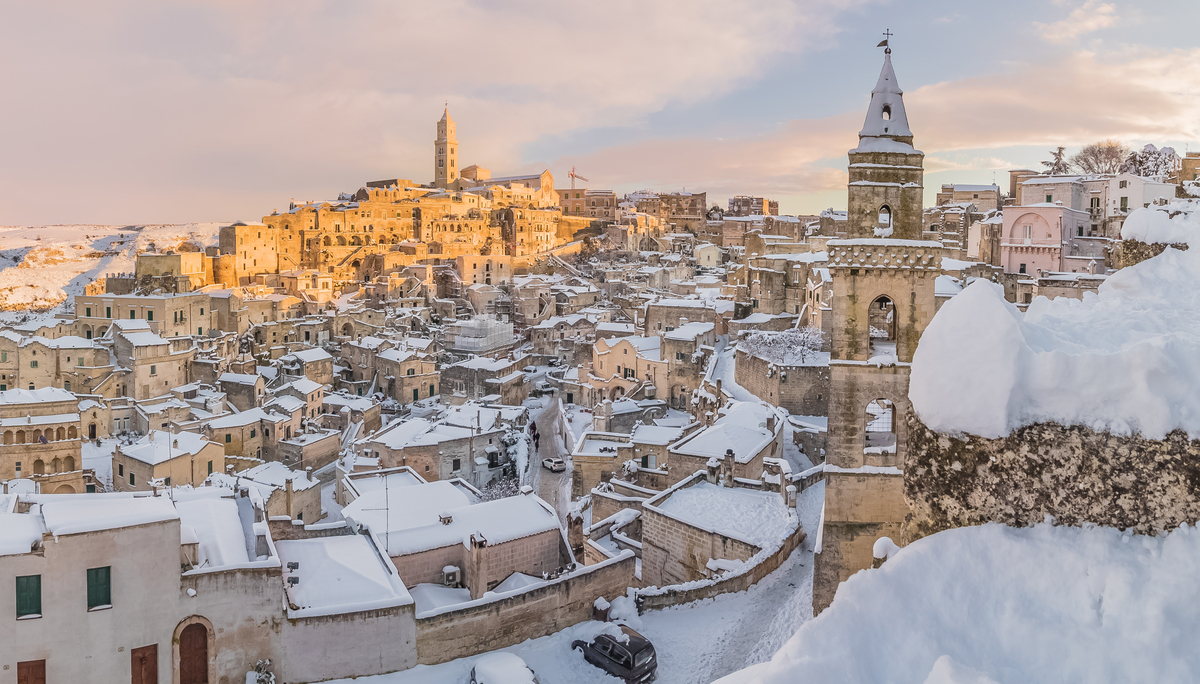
(341, 241)
(69, 464)
(39, 467)
(882, 321)
(887, 112)
(885, 216)
(326, 242)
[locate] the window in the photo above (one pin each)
(210, 467)
(1022, 269)
(201, 311)
(1049, 199)
(153, 370)
(1079, 231)
(149, 315)
(132, 314)
(99, 587)
(89, 312)
(456, 464)
(78, 362)
(228, 438)
(120, 470)
(132, 479)
(29, 596)
(108, 312)
(3, 356)
(200, 330)
(33, 364)
(167, 482)
(251, 432)
(411, 371)
(67, 385)
(416, 394)
(1124, 204)
(1124, 184)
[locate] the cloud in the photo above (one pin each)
(215, 110)
(1088, 17)
(1155, 95)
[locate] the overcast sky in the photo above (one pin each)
(139, 111)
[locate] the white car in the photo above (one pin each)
(554, 465)
(502, 668)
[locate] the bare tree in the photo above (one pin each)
(1106, 156)
(1057, 164)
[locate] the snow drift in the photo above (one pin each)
(994, 604)
(1124, 361)
(1176, 222)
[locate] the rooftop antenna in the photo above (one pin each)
(887, 34)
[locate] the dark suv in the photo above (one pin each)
(632, 659)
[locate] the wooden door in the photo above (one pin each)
(31, 672)
(144, 664)
(193, 654)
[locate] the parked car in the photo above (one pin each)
(554, 465)
(631, 658)
(530, 369)
(502, 668)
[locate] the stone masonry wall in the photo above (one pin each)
(805, 392)
(1073, 473)
(674, 552)
(528, 615)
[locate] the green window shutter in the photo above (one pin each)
(29, 595)
(228, 438)
(99, 587)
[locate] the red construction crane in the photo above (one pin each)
(573, 176)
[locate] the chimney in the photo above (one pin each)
(287, 489)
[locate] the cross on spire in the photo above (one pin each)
(887, 35)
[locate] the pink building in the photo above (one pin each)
(1048, 237)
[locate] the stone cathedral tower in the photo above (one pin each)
(883, 298)
(445, 152)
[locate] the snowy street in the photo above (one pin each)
(553, 488)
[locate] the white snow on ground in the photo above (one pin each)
(1126, 360)
(696, 643)
(1177, 222)
(329, 505)
(579, 421)
(999, 604)
(45, 266)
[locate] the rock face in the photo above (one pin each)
(1130, 252)
(1075, 474)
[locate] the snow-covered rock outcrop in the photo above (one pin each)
(1124, 361)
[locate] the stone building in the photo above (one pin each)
(745, 205)
(883, 298)
(171, 459)
(40, 433)
(985, 197)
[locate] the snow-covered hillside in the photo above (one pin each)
(994, 604)
(43, 267)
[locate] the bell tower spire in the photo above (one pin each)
(445, 152)
(886, 174)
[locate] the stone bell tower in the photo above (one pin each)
(883, 298)
(445, 152)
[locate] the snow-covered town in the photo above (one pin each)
(446, 426)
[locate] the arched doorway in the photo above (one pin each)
(348, 330)
(192, 646)
(64, 489)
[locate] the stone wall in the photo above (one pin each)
(674, 551)
(668, 596)
(528, 615)
(1073, 473)
(802, 390)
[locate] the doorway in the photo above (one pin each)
(31, 672)
(193, 654)
(143, 664)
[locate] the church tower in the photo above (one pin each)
(445, 152)
(883, 299)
